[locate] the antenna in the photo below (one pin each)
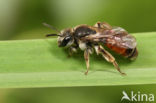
(47, 35)
(51, 27)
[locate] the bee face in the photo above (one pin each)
(65, 38)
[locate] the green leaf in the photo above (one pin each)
(41, 63)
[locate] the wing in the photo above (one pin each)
(118, 38)
(122, 41)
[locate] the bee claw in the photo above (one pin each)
(86, 73)
(123, 74)
(69, 56)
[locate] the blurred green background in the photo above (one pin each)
(22, 19)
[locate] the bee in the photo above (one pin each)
(95, 38)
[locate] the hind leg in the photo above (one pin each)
(100, 50)
(103, 25)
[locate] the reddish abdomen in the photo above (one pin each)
(118, 50)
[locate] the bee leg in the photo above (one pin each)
(97, 49)
(103, 25)
(109, 58)
(86, 57)
(72, 50)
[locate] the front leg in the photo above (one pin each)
(72, 50)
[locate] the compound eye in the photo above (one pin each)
(65, 41)
(67, 38)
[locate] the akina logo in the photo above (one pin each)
(137, 96)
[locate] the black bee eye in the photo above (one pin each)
(67, 38)
(65, 41)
